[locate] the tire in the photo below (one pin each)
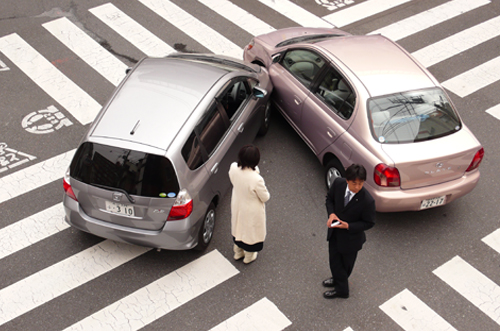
(266, 121)
(207, 228)
(333, 169)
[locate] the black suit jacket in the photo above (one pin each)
(359, 213)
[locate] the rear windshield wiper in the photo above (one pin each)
(114, 189)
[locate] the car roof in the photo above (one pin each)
(379, 63)
(156, 99)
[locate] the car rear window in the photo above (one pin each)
(412, 116)
(137, 173)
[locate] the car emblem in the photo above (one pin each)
(439, 165)
(117, 196)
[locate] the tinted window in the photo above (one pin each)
(336, 93)
(303, 64)
(233, 97)
(412, 116)
(211, 129)
(137, 173)
(191, 152)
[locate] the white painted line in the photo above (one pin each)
(494, 111)
(472, 285)
(428, 18)
(161, 296)
(32, 177)
(493, 239)
(361, 11)
(31, 230)
(261, 316)
(238, 16)
(47, 284)
(296, 13)
(52, 81)
(474, 79)
(348, 329)
(87, 49)
(194, 28)
(459, 42)
(412, 314)
(132, 31)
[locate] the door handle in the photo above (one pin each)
(330, 133)
(241, 127)
(297, 102)
(215, 168)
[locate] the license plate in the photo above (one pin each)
(120, 208)
(434, 202)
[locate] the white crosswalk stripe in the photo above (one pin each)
(296, 13)
(132, 31)
(87, 49)
(52, 81)
(412, 314)
(494, 111)
(493, 239)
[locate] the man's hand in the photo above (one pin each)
(333, 218)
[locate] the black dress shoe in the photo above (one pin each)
(333, 294)
(329, 282)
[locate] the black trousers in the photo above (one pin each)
(341, 265)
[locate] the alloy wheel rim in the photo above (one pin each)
(332, 174)
(209, 226)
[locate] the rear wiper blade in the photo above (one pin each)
(114, 189)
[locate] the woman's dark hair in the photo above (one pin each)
(248, 157)
(355, 171)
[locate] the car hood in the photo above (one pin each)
(435, 161)
(275, 37)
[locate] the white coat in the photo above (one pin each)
(248, 209)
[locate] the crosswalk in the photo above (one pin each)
(169, 292)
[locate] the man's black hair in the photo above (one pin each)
(355, 171)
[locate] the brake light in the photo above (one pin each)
(67, 186)
(182, 208)
(250, 45)
(476, 160)
(387, 176)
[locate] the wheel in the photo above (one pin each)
(266, 121)
(333, 170)
(207, 228)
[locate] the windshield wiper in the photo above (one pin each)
(114, 189)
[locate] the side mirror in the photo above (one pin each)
(259, 92)
(276, 58)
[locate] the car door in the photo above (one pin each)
(292, 77)
(326, 113)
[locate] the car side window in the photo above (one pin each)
(205, 137)
(335, 92)
(303, 64)
(233, 97)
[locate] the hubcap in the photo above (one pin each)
(208, 227)
(331, 175)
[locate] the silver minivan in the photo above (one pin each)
(153, 165)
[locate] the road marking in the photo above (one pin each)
(32, 177)
(161, 296)
(10, 158)
(361, 11)
(296, 13)
(428, 18)
(493, 239)
(262, 315)
(52, 81)
(3, 66)
(238, 16)
(474, 79)
(412, 314)
(194, 28)
(494, 111)
(472, 285)
(132, 31)
(96, 56)
(47, 284)
(45, 121)
(459, 42)
(31, 230)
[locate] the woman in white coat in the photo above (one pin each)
(248, 209)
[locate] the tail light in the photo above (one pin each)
(476, 160)
(250, 45)
(67, 186)
(386, 176)
(182, 208)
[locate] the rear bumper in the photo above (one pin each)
(175, 235)
(410, 200)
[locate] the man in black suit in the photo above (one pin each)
(351, 211)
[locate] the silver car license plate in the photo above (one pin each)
(434, 202)
(119, 208)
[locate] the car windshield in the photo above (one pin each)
(124, 170)
(412, 116)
